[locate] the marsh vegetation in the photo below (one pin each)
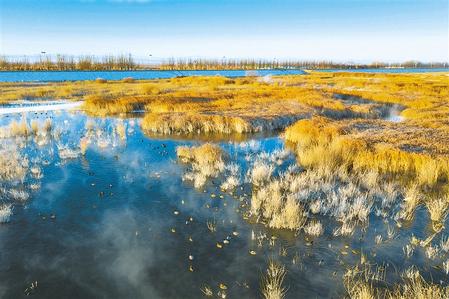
(336, 200)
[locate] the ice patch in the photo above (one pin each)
(40, 106)
(394, 115)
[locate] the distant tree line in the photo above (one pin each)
(253, 64)
(68, 63)
(127, 62)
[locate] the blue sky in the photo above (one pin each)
(344, 30)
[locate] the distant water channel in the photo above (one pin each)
(55, 76)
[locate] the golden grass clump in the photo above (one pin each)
(206, 161)
(13, 167)
(364, 284)
(23, 129)
(359, 282)
(180, 123)
(277, 206)
(34, 127)
(128, 80)
(418, 288)
(121, 130)
(261, 173)
(438, 210)
(314, 228)
(5, 212)
(412, 199)
(362, 291)
(323, 143)
(102, 105)
(272, 282)
(48, 125)
(18, 129)
(101, 80)
(204, 155)
(151, 89)
(84, 144)
(289, 216)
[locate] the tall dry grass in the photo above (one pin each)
(5, 213)
(365, 284)
(13, 166)
(327, 144)
(185, 123)
(272, 282)
(205, 161)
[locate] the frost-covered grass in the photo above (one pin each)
(13, 166)
(314, 228)
(25, 128)
(68, 153)
(206, 161)
(438, 209)
(233, 179)
(292, 193)
(5, 213)
(273, 280)
(286, 196)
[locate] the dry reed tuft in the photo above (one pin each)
(359, 284)
(5, 213)
(18, 129)
(272, 282)
(34, 127)
(128, 80)
(275, 203)
(206, 161)
(438, 210)
(101, 80)
(417, 288)
(314, 228)
(260, 173)
(84, 143)
(121, 130)
(183, 123)
(412, 199)
(13, 166)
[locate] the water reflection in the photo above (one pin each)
(113, 218)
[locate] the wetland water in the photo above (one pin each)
(120, 221)
(54, 76)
